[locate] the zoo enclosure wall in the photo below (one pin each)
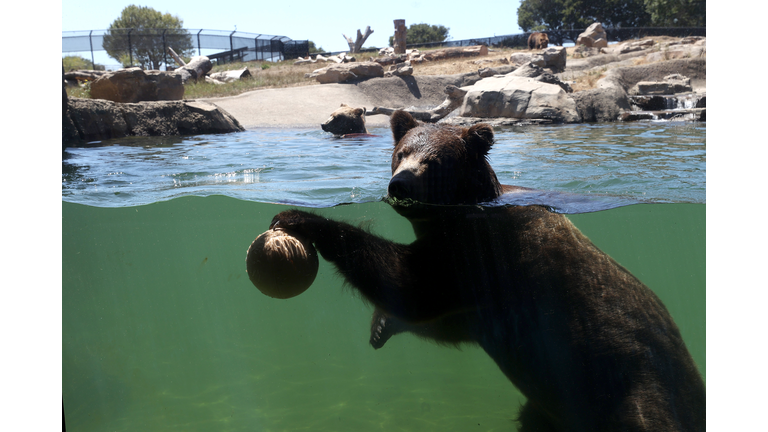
(240, 46)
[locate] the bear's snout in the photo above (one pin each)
(400, 185)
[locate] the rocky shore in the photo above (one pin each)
(633, 80)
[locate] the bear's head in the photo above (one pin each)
(439, 164)
(543, 40)
(346, 120)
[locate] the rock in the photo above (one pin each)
(135, 85)
(520, 58)
(98, 119)
(610, 98)
(583, 51)
(519, 97)
(633, 46)
(346, 72)
(593, 37)
(400, 69)
(671, 84)
(498, 70)
(552, 58)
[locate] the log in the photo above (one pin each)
(446, 53)
(83, 75)
(354, 47)
(232, 75)
(453, 101)
(399, 40)
(176, 57)
(195, 69)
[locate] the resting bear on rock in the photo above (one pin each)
(538, 40)
(346, 120)
(590, 346)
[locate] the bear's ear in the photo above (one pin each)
(401, 122)
(359, 112)
(479, 138)
(344, 105)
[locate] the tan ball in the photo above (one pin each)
(281, 265)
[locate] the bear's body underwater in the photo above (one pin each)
(590, 346)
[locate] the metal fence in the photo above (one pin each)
(153, 43)
(558, 37)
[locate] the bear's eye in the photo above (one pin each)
(399, 156)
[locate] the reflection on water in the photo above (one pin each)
(654, 162)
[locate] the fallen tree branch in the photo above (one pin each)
(176, 57)
(453, 101)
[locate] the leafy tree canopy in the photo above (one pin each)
(76, 62)
(553, 15)
(423, 33)
(313, 49)
(148, 32)
(677, 13)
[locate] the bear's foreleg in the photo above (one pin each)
(382, 270)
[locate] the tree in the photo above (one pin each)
(313, 49)
(677, 13)
(148, 33)
(553, 15)
(76, 62)
(423, 33)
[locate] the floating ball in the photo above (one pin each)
(281, 265)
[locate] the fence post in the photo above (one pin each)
(199, 52)
(90, 40)
(165, 50)
(130, 48)
(231, 48)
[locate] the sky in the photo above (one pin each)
(319, 22)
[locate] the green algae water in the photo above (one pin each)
(162, 330)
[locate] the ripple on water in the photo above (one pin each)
(658, 161)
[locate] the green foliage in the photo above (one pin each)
(677, 13)
(149, 32)
(76, 62)
(552, 15)
(533, 15)
(313, 49)
(423, 33)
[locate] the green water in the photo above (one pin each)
(162, 330)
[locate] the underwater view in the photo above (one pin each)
(163, 330)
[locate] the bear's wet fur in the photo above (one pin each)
(538, 40)
(590, 346)
(346, 120)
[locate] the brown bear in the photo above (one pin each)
(590, 346)
(538, 40)
(346, 120)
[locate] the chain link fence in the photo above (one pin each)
(149, 47)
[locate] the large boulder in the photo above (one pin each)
(345, 72)
(611, 97)
(136, 85)
(593, 37)
(97, 119)
(671, 84)
(518, 97)
(550, 58)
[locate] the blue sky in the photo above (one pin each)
(321, 22)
